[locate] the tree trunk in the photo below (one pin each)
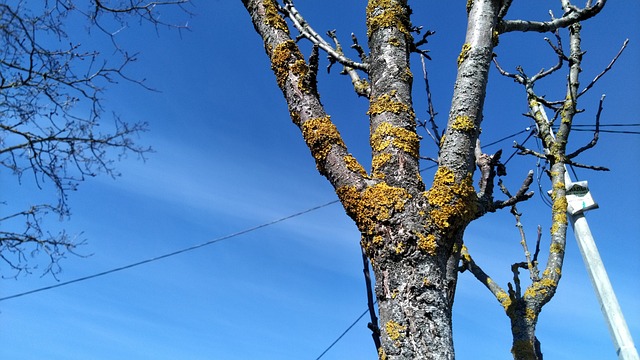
(412, 237)
(415, 316)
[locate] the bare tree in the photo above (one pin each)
(413, 236)
(52, 120)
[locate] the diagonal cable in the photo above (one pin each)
(177, 252)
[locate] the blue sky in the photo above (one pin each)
(228, 158)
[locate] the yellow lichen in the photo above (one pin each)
(295, 117)
(354, 165)
(301, 70)
(454, 203)
(320, 135)
(540, 287)
(455, 248)
(386, 135)
(504, 300)
(281, 57)
(372, 206)
(465, 254)
(427, 243)
(394, 330)
(463, 123)
(394, 293)
(464, 53)
(533, 103)
(387, 14)
(495, 38)
(469, 5)
(556, 248)
(530, 314)
(407, 75)
(567, 111)
(394, 41)
(378, 162)
(361, 86)
(559, 211)
(272, 17)
(400, 248)
(381, 354)
(378, 175)
(386, 103)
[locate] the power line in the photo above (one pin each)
(177, 252)
(343, 334)
(507, 137)
(605, 125)
(610, 131)
(592, 128)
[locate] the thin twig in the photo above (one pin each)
(615, 58)
(309, 33)
(435, 135)
(596, 133)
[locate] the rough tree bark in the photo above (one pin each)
(412, 237)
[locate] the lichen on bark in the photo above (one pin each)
(453, 203)
(321, 134)
(387, 14)
(375, 205)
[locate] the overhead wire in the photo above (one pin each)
(609, 131)
(592, 128)
(343, 334)
(174, 253)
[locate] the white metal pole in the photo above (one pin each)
(609, 305)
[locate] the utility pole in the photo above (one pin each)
(580, 200)
(609, 305)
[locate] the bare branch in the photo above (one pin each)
(356, 46)
(522, 194)
(506, 4)
(561, 58)
(530, 264)
(469, 264)
(361, 86)
(309, 33)
(590, 167)
(596, 133)
(516, 77)
(423, 41)
(487, 165)
(525, 151)
(571, 16)
(434, 133)
(606, 69)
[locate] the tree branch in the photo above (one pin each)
(522, 194)
(309, 33)
(292, 76)
(469, 264)
(571, 16)
(606, 69)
